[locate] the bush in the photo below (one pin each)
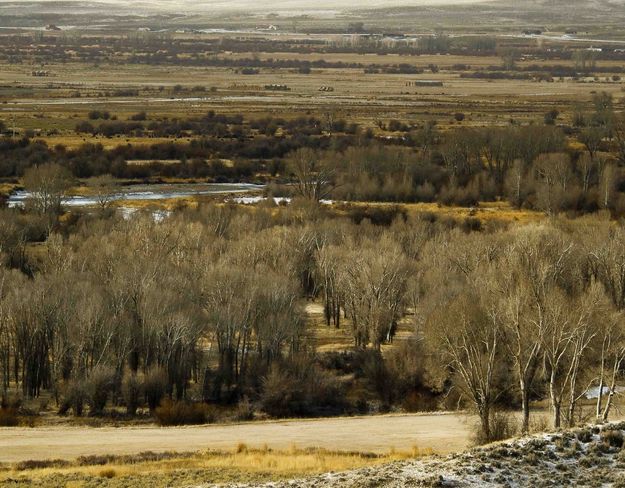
(139, 116)
(99, 385)
(377, 215)
(41, 464)
(155, 387)
(9, 417)
(97, 114)
(584, 435)
(108, 473)
(183, 413)
(300, 388)
(132, 391)
(75, 397)
(612, 438)
(244, 411)
(502, 426)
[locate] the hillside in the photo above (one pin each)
(589, 456)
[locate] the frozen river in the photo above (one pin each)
(148, 192)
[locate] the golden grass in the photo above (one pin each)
(239, 464)
(73, 141)
(161, 204)
(486, 211)
(6, 188)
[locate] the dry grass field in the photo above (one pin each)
(241, 464)
(49, 103)
(440, 433)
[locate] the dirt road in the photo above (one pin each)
(443, 433)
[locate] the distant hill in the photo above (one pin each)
(245, 5)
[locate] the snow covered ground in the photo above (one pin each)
(589, 456)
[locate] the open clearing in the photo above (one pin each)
(443, 433)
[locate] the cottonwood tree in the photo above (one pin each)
(373, 279)
(618, 132)
(607, 185)
(499, 150)
(461, 152)
(611, 347)
(515, 183)
(569, 326)
(9, 281)
(592, 139)
(523, 343)
(328, 259)
(607, 262)
(314, 176)
(471, 337)
(536, 262)
(554, 176)
(47, 184)
(103, 187)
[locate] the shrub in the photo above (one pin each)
(584, 435)
(75, 397)
(99, 385)
(502, 426)
(471, 224)
(97, 114)
(9, 417)
(41, 464)
(300, 388)
(551, 117)
(183, 413)
(139, 116)
(244, 411)
(612, 438)
(108, 473)
(132, 391)
(155, 387)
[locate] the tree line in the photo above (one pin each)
(208, 307)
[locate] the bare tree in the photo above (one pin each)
(618, 131)
(315, 177)
(373, 280)
(103, 187)
(47, 184)
(607, 261)
(568, 330)
(472, 338)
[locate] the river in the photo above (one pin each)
(147, 192)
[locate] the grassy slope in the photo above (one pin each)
(590, 456)
(168, 469)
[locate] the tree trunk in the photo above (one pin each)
(600, 395)
(485, 422)
(555, 401)
(525, 405)
(608, 405)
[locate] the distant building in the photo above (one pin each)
(275, 87)
(424, 83)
